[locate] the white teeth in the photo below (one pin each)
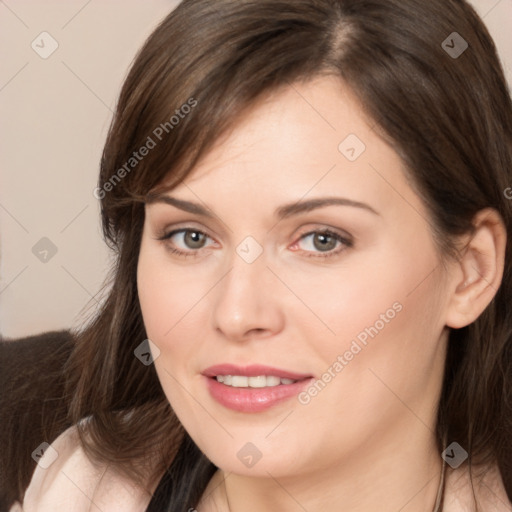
(273, 381)
(239, 381)
(261, 381)
(258, 382)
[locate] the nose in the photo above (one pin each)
(247, 302)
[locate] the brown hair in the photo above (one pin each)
(32, 405)
(450, 120)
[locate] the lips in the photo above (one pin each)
(252, 388)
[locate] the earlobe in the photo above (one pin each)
(479, 270)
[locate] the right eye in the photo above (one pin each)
(192, 240)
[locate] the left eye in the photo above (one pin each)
(323, 243)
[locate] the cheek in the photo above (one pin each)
(167, 292)
(371, 293)
(168, 299)
(387, 321)
(174, 304)
(382, 310)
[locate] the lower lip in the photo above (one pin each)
(253, 399)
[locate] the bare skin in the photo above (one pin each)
(365, 442)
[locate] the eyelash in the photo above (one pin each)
(194, 253)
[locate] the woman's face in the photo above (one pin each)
(328, 316)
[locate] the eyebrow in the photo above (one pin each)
(283, 212)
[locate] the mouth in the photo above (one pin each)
(260, 381)
(253, 388)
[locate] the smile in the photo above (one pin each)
(254, 388)
(261, 381)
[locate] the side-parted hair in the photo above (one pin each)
(448, 116)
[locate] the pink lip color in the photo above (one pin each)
(252, 399)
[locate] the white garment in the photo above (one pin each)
(72, 483)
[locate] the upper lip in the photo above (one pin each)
(253, 370)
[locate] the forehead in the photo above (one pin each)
(306, 139)
(301, 123)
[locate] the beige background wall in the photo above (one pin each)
(55, 112)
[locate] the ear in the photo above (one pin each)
(478, 272)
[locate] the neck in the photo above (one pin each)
(389, 476)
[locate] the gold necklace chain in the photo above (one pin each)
(440, 490)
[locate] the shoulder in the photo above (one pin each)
(66, 479)
(488, 487)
